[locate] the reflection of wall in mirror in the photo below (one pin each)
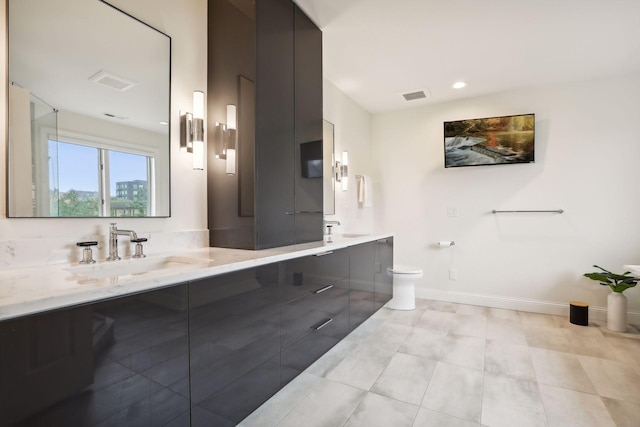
(20, 198)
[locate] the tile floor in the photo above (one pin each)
(447, 364)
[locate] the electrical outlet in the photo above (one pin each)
(452, 212)
(453, 274)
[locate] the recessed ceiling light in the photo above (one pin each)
(459, 85)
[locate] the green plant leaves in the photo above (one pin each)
(617, 282)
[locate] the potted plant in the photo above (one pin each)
(616, 301)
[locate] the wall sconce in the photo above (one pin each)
(226, 140)
(342, 171)
(192, 130)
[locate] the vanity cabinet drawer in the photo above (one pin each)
(310, 273)
(299, 316)
(312, 325)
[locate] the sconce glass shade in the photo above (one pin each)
(231, 140)
(198, 104)
(198, 155)
(231, 161)
(344, 171)
(231, 117)
(192, 130)
(198, 130)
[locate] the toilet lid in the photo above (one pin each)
(404, 269)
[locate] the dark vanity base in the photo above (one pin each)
(202, 353)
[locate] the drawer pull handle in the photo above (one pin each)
(322, 289)
(321, 324)
(323, 253)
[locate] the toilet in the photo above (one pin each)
(404, 290)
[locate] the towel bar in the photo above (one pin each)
(559, 211)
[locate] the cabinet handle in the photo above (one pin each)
(289, 213)
(323, 253)
(321, 324)
(308, 212)
(322, 289)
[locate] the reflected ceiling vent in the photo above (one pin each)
(414, 95)
(111, 80)
(113, 116)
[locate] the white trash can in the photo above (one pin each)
(404, 289)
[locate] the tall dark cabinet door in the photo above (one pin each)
(275, 207)
(308, 128)
(234, 324)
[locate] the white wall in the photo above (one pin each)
(587, 162)
(186, 23)
(352, 129)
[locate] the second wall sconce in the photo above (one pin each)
(192, 130)
(342, 171)
(226, 140)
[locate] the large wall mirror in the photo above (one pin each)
(89, 107)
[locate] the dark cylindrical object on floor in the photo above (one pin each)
(579, 313)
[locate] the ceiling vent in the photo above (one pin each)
(414, 95)
(114, 116)
(111, 80)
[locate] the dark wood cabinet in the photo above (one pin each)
(118, 362)
(308, 128)
(266, 58)
(315, 310)
(274, 143)
(383, 280)
(234, 324)
(361, 280)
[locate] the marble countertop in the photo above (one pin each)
(25, 291)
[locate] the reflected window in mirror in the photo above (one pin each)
(70, 86)
(87, 180)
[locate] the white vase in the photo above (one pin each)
(617, 312)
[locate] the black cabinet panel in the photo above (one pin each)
(275, 208)
(312, 273)
(361, 281)
(119, 362)
(234, 324)
(312, 325)
(265, 57)
(308, 129)
(383, 281)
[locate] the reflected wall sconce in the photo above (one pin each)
(192, 130)
(342, 171)
(226, 140)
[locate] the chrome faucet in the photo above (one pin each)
(329, 225)
(113, 240)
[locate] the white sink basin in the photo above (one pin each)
(136, 266)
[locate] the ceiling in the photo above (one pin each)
(56, 47)
(376, 50)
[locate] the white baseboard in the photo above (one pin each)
(545, 307)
